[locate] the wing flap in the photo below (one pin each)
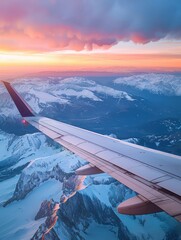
(172, 184)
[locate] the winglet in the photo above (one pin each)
(21, 105)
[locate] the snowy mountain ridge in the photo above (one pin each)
(166, 84)
(37, 94)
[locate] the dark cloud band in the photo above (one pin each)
(81, 24)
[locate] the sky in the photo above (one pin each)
(89, 35)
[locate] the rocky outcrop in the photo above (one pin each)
(77, 212)
(60, 166)
(80, 212)
(18, 151)
(49, 210)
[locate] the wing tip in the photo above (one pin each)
(21, 105)
(4, 82)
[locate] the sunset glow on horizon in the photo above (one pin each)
(95, 62)
(104, 36)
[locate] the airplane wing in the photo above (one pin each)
(154, 175)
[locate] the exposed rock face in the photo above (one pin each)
(49, 210)
(17, 151)
(79, 212)
(27, 183)
(41, 170)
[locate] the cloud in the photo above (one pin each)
(46, 25)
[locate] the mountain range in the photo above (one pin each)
(40, 194)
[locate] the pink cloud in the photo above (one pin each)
(47, 25)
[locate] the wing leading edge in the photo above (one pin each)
(154, 175)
